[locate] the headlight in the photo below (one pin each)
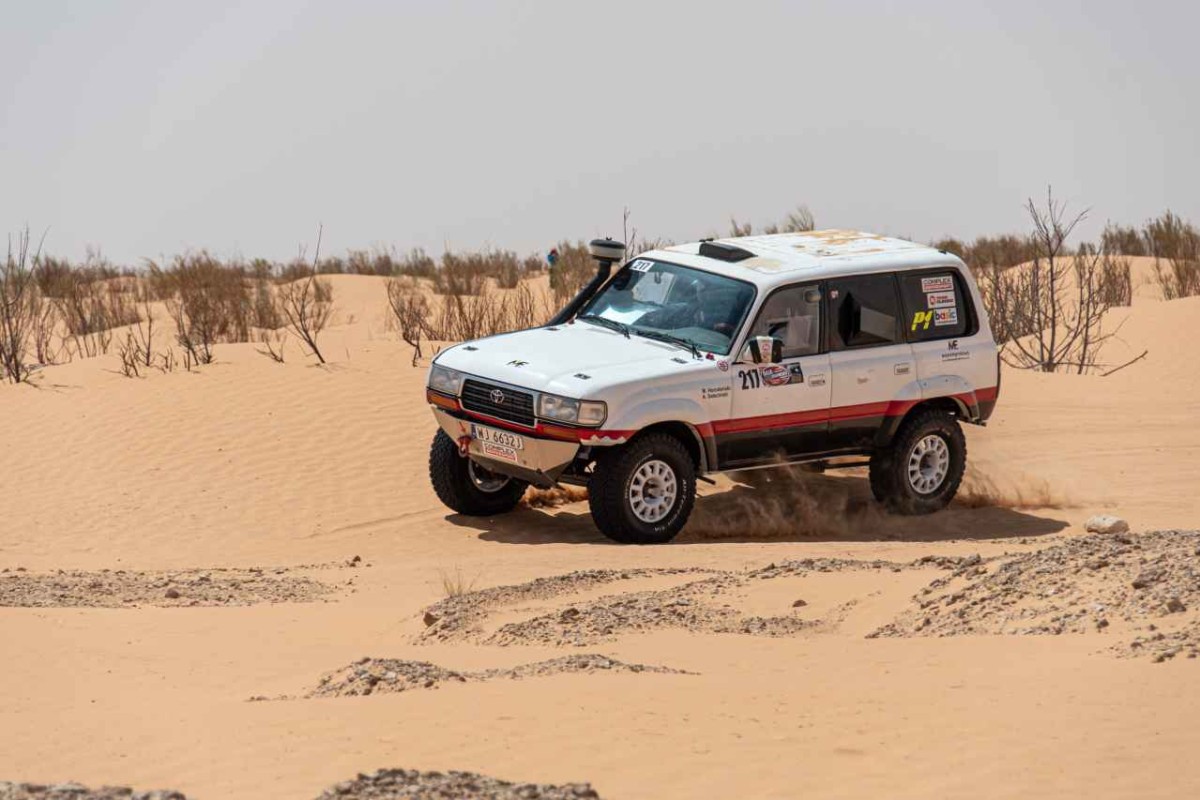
(564, 409)
(444, 380)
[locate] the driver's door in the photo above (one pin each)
(780, 410)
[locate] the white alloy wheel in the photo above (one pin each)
(928, 464)
(652, 491)
(484, 479)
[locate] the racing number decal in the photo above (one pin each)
(922, 318)
(750, 378)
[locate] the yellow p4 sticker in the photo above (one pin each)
(922, 318)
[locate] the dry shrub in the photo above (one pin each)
(209, 302)
(1123, 240)
(571, 271)
(136, 352)
(1114, 282)
(464, 317)
(1049, 313)
(797, 221)
(306, 305)
(21, 307)
(468, 273)
(410, 312)
(456, 584)
(1175, 245)
(553, 497)
(89, 307)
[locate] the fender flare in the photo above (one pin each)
(663, 410)
(947, 388)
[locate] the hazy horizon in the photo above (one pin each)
(147, 129)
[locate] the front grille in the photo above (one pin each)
(509, 404)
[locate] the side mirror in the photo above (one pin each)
(764, 350)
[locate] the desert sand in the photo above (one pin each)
(234, 540)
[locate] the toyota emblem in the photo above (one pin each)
(497, 397)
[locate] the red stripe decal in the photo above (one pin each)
(766, 422)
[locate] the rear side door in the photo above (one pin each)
(870, 361)
(780, 410)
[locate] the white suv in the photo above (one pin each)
(718, 356)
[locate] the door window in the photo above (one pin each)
(793, 316)
(863, 311)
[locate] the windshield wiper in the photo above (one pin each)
(607, 323)
(672, 339)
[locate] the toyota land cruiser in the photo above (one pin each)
(717, 356)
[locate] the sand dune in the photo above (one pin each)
(283, 474)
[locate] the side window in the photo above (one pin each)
(792, 315)
(863, 311)
(934, 306)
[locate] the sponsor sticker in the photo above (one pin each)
(723, 365)
(945, 316)
(776, 375)
(499, 451)
(921, 320)
(795, 373)
(956, 355)
(641, 265)
(940, 300)
(942, 284)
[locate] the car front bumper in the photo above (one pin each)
(540, 462)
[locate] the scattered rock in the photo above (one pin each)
(1077, 586)
(123, 588)
(1106, 523)
(800, 604)
(76, 791)
(695, 605)
(370, 676)
(430, 618)
(1149, 577)
(400, 784)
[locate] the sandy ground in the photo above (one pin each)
(248, 488)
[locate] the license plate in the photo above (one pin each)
(499, 438)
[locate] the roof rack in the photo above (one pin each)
(724, 252)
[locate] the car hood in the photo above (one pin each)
(577, 360)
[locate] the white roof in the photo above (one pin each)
(786, 257)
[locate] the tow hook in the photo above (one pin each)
(464, 445)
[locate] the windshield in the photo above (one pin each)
(655, 297)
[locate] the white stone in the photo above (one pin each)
(1105, 523)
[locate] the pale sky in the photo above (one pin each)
(147, 128)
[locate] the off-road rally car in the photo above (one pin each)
(836, 348)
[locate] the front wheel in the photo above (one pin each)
(643, 492)
(466, 487)
(920, 471)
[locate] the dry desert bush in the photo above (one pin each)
(1175, 246)
(21, 306)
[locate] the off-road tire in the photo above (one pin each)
(609, 490)
(889, 465)
(451, 478)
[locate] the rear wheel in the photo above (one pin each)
(643, 492)
(465, 486)
(920, 471)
